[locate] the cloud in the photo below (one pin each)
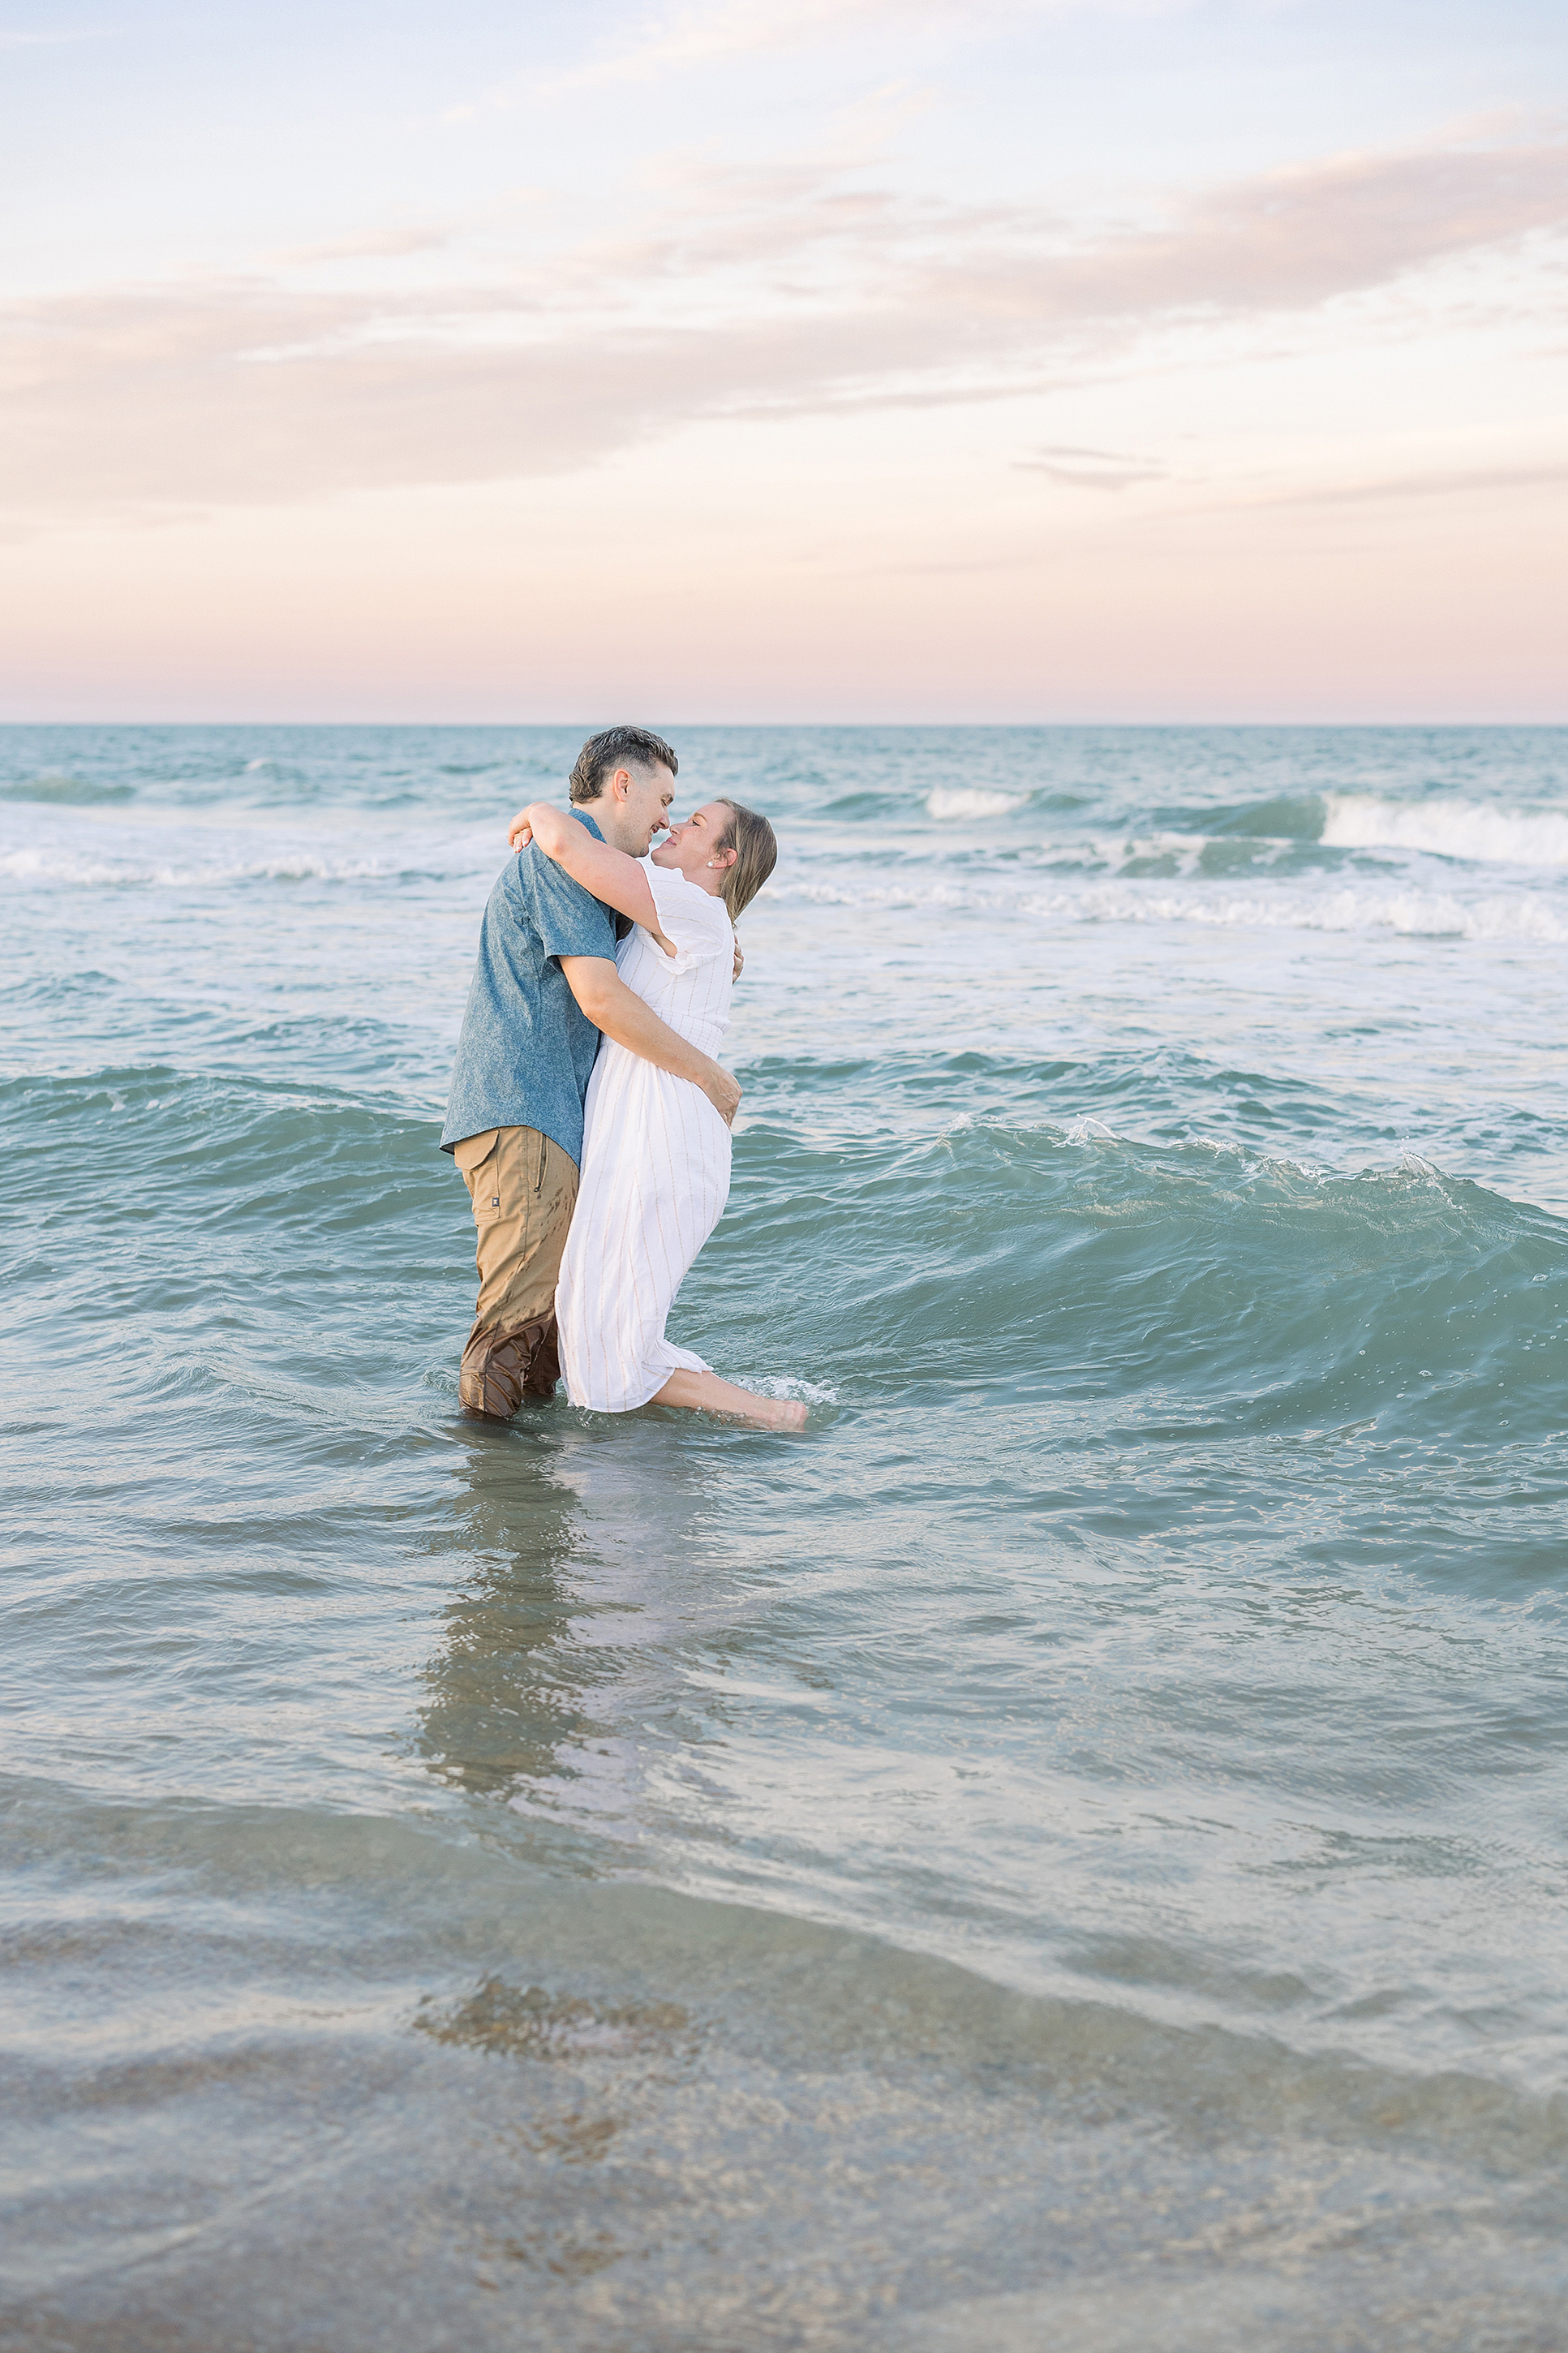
(1091, 470)
(375, 245)
(787, 295)
(700, 36)
(1457, 481)
(1291, 240)
(688, 39)
(1281, 241)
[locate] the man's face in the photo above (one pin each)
(636, 802)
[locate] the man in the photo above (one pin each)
(545, 986)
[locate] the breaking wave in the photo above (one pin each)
(1447, 828)
(947, 804)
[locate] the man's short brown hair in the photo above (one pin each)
(617, 747)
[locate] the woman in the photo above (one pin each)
(655, 1153)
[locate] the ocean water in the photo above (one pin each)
(1072, 1852)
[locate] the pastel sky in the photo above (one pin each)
(785, 359)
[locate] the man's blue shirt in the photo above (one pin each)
(526, 1047)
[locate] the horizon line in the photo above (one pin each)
(569, 725)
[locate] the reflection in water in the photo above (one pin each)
(503, 1692)
(585, 1564)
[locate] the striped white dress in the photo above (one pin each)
(655, 1164)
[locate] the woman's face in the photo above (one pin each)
(689, 846)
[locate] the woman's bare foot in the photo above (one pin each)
(783, 1413)
(706, 1393)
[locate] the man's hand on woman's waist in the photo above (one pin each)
(621, 1014)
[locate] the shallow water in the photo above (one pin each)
(1073, 1851)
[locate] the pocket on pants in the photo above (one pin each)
(479, 1161)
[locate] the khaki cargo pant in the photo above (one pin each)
(524, 1189)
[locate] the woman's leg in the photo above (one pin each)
(706, 1393)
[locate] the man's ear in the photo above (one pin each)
(620, 783)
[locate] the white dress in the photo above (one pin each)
(655, 1164)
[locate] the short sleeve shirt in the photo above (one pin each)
(527, 1047)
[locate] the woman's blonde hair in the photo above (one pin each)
(756, 849)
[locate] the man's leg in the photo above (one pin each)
(523, 1189)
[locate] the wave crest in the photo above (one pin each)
(967, 801)
(1448, 829)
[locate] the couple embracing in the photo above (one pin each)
(588, 1114)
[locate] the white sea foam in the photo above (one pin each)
(968, 802)
(1512, 915)
(1448, 829)
(1418, 914)
(794, 1385)
(46, 866)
